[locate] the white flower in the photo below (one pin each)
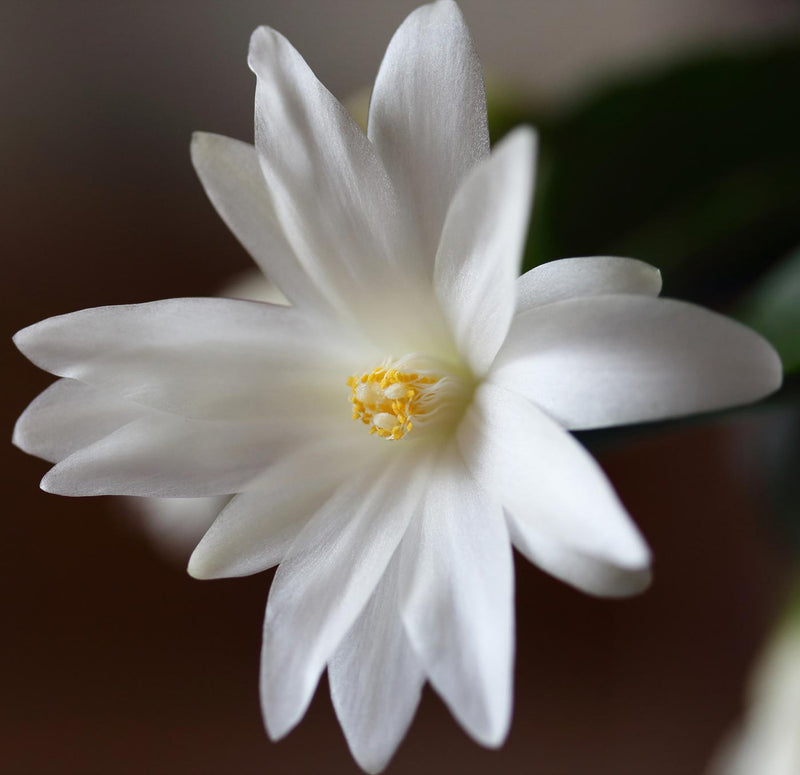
(399, 252)
(175, 525)
(768, 740)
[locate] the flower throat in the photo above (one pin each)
(404, 395)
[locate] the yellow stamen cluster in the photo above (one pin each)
(389, 400)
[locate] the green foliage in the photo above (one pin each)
(695, 169)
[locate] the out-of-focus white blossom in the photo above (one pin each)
(768, 740)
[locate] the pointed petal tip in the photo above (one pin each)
(20, 339)
(524, 140)
(55, 483)
(20, 437)
(204, 147)
(370, 765)
(49, 484)
(618, 583)
(18, 434)
(263, 41)
(442, 8)
(647, 278)
(631, 552)
(198, 566)
(284, 701)
(762, 361)
(368, 761)
(60, 480)
(442, 12)
(278, 727)
(203, 565)
(199, 141)
(624, 564)
(775, 378)
(658, 276)
(497, 738)
(526, 131)
(494, 732)
(32, 339)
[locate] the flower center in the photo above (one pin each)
(404, 395)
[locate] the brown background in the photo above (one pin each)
(112, 659)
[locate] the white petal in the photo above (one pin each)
(478, 260)
(375, 678)
(207, 358)
(428, 114)
(607, 360)
(68, 416)
(766, 742)
(593, 575)
(328, 577)
(256, 529)
(231, 175)
(590, 276)
(169, 456)
(550, 486)
(332, 194)
(458, 600)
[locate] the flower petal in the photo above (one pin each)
(479, 256)
(70, 415)
(607, 360)
(428, 114)
(457, 600)
(256, 529)
(205, 358)
(331, 193)
(231, 176)
(590, 276)
(328, 576)
(375, 678)
(593, 575)
(549, 485)
(169, 456)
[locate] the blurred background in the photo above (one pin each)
(669, 133)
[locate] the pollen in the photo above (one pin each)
(394, 399)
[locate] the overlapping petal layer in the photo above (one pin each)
(457, 599)
(336, 202)
(257, 527)
(202, 358)
(550, 486)
(596, 361)
(427, 116)
(571, 278)
(169, 456)
(375, 677)
(232, 178)
(328, 576)
(68, 416)
(478, 258)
